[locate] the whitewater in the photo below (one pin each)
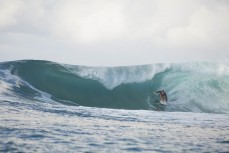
(53, 107)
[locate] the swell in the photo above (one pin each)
(195, 87)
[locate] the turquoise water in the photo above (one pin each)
(52, 107)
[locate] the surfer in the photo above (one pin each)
(163, 97)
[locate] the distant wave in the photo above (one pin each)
(195, 87)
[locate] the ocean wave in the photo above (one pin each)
(194, 87)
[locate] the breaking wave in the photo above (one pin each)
(194, 87)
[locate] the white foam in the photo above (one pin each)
(203, 89)
(4, 87)
(115, 76)
(9, 81)
(202, 68)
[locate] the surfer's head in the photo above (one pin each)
(160, 91)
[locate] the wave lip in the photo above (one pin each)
(112, 77)
(193, 87)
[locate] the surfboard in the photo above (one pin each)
(163, 102)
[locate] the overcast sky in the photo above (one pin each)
(114, 32)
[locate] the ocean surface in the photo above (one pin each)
(53, 107)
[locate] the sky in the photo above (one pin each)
(114, 32)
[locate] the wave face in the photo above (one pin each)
(194, 87)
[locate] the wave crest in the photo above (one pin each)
(115, 76)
